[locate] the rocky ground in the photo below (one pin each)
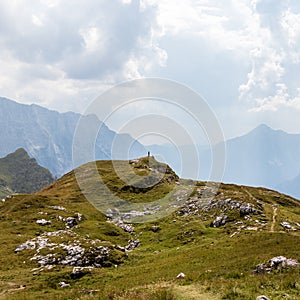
(68, 248)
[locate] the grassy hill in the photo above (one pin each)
(217, 241)
(21, 174)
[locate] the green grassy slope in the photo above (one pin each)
(21, 174)
(218, 261)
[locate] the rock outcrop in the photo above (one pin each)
(276, 263)
(80, 252)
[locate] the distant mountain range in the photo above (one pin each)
(48, 135)
(291, 187)
(20, 173)
(263, 157)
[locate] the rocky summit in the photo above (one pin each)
(217, 241)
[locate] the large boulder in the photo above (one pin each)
(275, 263)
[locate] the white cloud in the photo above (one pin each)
(94, 38)
(36, 20)
(269, 82)
(264, 33)
(279, 100)
(290, 23)
(228, 25)
(62, 54)
(74, 44)
(266, 70)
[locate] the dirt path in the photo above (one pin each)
(274, 207)
(13, 288)
(274, 218)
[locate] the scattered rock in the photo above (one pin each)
(79, 272)
(219, 221)
(155, 228)
(252, 228)
(113, 213)
(25, 246)
(204, 202)
(262, 297)
(41, 242)
(43, 222)
(132, 244)
(80, 253)
(79, 217)
(44, 260)
(180, 275)
(57, 207)
(62, 284)
(281, 261)
(71, 222)
(90, 292)
(125, 226)
(75, 255)
(278, 262)
(120, 248)
(60, 233)
(116, 216)
(247, 209)
(233, 234)
(287, 225)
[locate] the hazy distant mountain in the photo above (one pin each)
(183, 158)
(291, 187)
(20, 173)
(263, 157)
(48, 135)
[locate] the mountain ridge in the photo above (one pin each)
(19, 173)
(47, 135)
(291, 187)
(262, 157)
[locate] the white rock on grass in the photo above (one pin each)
(79, 272)
(283, 262)
(25, 246)
(43, 222)
(287, 225)
(276, 263)
(62, 284)
(180, 275)
(57, 207)
(71, 222)
(262, 297)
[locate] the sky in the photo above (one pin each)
(241, 56)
